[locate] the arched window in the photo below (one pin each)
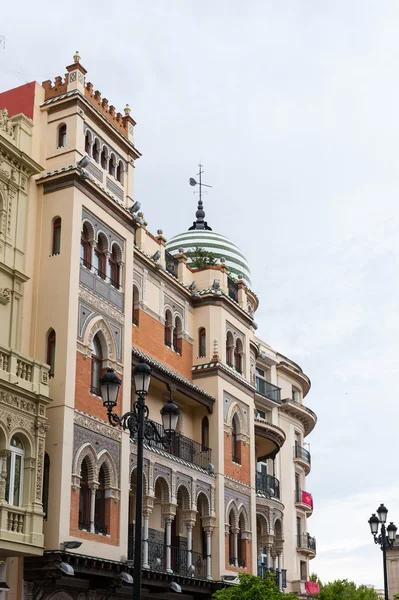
(85, 248)
(114, 268)
(88, 143)
(168, 329)
(235, 444)
(136, 306)
(51, 338)
(15, 472)
(84, 498)
(96, 366)
(62, 131)
(100, 256)
(229, 348)
(119, 172)
(56, 245)
(99, 509)
(202, 343)
(238, 356)
(46, 483)
(96, 150)
(205, 432)
(241, 546)
(232, 541)
(112, 165)
(104, 158)
(177, 336)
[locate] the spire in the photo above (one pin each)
(200, 223)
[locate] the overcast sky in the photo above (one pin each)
(293, 108)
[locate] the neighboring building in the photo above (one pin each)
(229, 495)
(24, 392)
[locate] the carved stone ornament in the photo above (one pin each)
(97, 426)
(5, 294)
(6, 125)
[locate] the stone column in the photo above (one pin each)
(93, 490)
(168, 514)
(235, 531)
(279, 568)
(3, 473)
(208, 524)
(268, 557)
(189, 518)
(147, 510)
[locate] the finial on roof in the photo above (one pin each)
(200, 223)
(76, 56)
(127, 110)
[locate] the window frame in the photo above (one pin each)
(14, 453)
(96, 361)
(51, 348)
(202, 343)
(62, 136)
(56, 242)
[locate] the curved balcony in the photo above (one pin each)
(267, 486)
(302, 458)
(304, 501)
(269, 439)
(301, 412)
(306, 544)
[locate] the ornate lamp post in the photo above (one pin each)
(140, 429)
(385, 539)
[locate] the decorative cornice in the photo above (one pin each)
(94, 424)
(301, 412)
(101, 305)
(227, 373)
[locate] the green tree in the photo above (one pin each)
(201, 258)
(342, 589)
(252, 587)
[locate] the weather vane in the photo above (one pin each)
(193, 182)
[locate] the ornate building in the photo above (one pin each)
(228, 496)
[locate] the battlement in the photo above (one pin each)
(60, 86)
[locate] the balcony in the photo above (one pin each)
(304, 501)
(179, 559)
(232, 289)
(263, 570)
(30, 375)
(267, 486)
(97, 528)
(307, 544)
(184, 448)
(302, 457)
(269, 439)
(268, 390)
(301, 412)
(20, 531)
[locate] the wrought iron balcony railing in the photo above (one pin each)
(267, 485)
(179, 558)
(184, 448)
(306, 541)
(300, 452)
(99, 273)
(267, 389)
(262, 570)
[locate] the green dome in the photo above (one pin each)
(202, 236)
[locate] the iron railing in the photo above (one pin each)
(241, 563)
(262, 570)
(99, 273)
(304, 498)
(85, 263)
(85, 524)
(236, 460)
(306, 541)
(184, 448)
(179, 558)
(96, 391)
(171, 263)
(300, 452)
(267, 485)
(267, 389)
(232, 289)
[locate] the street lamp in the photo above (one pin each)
(140, 428)
(383, 540)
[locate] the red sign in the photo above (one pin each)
(307, 499)
(312, 587)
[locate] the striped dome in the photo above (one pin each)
(215, 243)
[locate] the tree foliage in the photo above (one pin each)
(201, 258)
(342, 589)
(252, 587)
